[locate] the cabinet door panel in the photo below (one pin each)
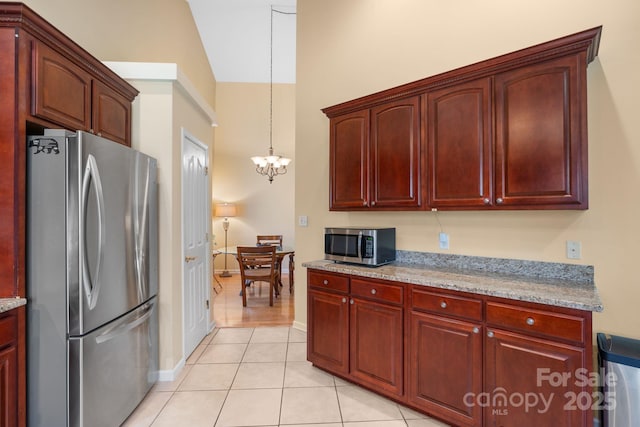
(459, 143)
(8, 386)
(446, 367)
(328, 340)
(540, 138)
(61, 90)
(519, 366)
(376, 345)
(395, 154)
(349, 161)
(111, 114)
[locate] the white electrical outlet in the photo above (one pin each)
(443, 239)
(574, 249)
(303, 221)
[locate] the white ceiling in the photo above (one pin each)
(236, 36)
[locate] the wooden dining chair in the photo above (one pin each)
(258, 264)
(269, 240)
(272, 240)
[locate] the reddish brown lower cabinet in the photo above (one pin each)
(376, 343)
(358, 334)
(445, 367)
(328, 325)
(470, 360)
(12, 368)
(532, 382)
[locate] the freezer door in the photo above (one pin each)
(112, 368)
(112, 246)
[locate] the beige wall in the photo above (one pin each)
(243, 132)
(350, 49)
(136, 31)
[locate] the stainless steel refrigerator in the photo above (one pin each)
(92, 279)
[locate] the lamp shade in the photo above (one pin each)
(226, 210)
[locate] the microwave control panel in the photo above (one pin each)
(368, 247)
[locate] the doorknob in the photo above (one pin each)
(189, 258)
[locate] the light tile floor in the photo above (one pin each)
(260, 377)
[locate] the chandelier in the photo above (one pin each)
(271, 164)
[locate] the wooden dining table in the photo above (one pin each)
(281, 252)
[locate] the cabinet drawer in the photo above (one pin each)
(555, 325)
(8, 330)
(328, 281)
(377, 291)
(446, 304)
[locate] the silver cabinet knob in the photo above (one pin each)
(490, 334)
(499, 200)
(373, 292)
(351, 302)
(476, 330)
(344, 300)
(364, 203)
(486, 201)
(373, 203)
(325, 282)
(530, 321)
(443, 304)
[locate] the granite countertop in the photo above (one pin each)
(7, 304)
(562, 285)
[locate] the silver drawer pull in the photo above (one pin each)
(325, 282)
(476, 330)
(490, 334)
(344, 300)
(351, 302)
(443, 304)
(530, 321)
(373, 291)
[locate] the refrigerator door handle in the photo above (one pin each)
(92, 178)
(141, 238)
(125, 325)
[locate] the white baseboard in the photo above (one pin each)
(171, 374)
(299, 326)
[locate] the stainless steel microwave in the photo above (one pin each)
(360, 245)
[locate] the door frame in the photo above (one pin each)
(187, 138)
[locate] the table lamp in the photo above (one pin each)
(226, 210)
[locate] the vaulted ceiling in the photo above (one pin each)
(236, 35)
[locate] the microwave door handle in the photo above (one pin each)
(360, 248)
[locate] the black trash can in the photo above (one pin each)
(619, 360)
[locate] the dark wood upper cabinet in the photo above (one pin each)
(541, 142)
(349, 161)
(67, 95)
(458, 123)
(111, 116)
(61, 90)
(395, 155)
(506, 133)
(375, 157)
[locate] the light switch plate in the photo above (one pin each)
(303, 221)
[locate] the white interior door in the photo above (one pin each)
(195, 220)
